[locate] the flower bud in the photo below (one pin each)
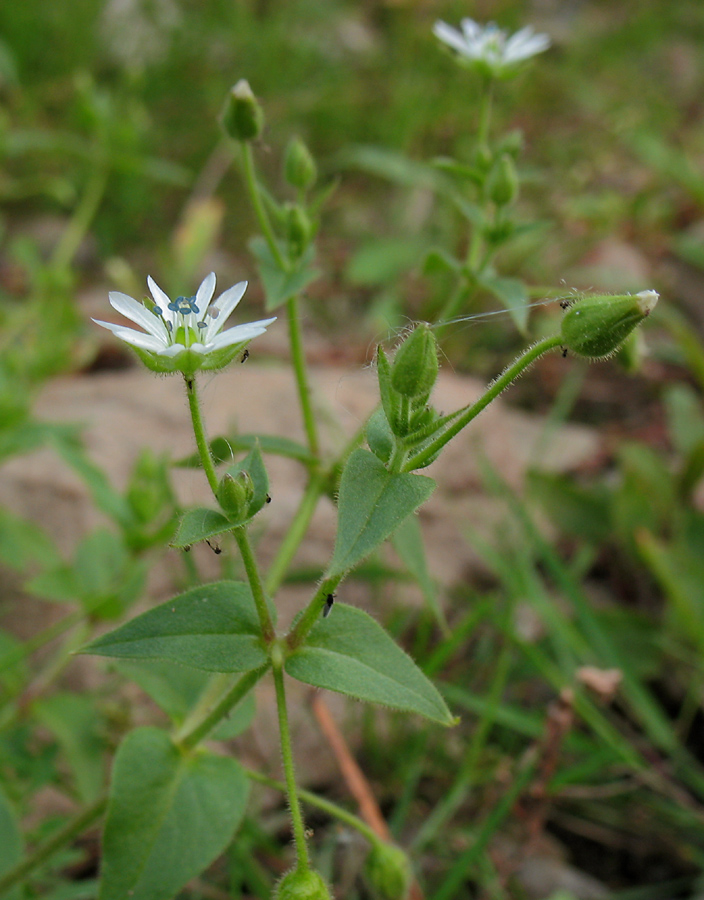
(242, 117)
(298, 230)
(301, 884)
(512, 143)
(415, 366)
(388, 871)
(595, 326)
(234, 495)
(300, 170)
(503, 181)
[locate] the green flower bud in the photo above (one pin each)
(242, 117)
(234, 495)
(483, 157)
(388, 871)
(298, 230)
(301, 884)
(415, 366)
(512, 143)
(595, 326)
(300, 170)
(503, 181)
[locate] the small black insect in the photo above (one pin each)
(268, 499)
(215, 547)
(565, 304)
(329, 600)
(245, 356)
(565, 351)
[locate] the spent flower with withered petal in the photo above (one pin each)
(185, 334)
(489, 48)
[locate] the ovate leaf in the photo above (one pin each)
(372, 504)
(350, 653)
(280, 285)
(170, 814)
(199, 524)
(213, 627)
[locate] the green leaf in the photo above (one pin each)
(199, 524)
(381, 261)
(224, 449)
(176, 689)
(77, 725)
(512, 294)
(350, 653)
(10, 843)
(213, 627)
(253, 464)
(372, 504)
(408, 543)
(22, 542)
(169, 816)
(280, 285)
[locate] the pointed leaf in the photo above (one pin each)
(512, 294)
(408, 543)
(199, 524)
(373, 502)
(10, 843)
(169, 816)
(350, 653)
(280, 285)
(213, 627)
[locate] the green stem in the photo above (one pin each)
(250, 179)
(332, 809)
(485, 112)
(79, 224)
(255, 582)
(206, 457)
(43, 851)
(299, 366)
(502, 382)
(193, 736)
(311, 613)
(299, 831)
(295, 533)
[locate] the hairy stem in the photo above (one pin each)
(206, 457)
(299, 367)
(502, 382)
(255, 582)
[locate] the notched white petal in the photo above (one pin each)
(130, 336)
(225, 304)
(205, 292)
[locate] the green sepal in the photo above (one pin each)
(390, 400)
(379, 435)
(253, 465)
(349, 652)
(188, 362)
(213, 627)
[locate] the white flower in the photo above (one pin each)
(184, 334)
(490, 47)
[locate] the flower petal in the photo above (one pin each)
(134, 311)
(130, 336)
(451, 37)
(239, 334)
(225, 304)
(160, 298)
(205, 293)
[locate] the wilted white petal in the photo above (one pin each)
(130, 336)
(137, 313)
(225, 304)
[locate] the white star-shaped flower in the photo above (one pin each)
(490, 48)
(184, 334)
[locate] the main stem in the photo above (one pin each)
(250, 180)
(501, 383)
(299, 366)
(206, 457)
(255, 582)
(299, 831)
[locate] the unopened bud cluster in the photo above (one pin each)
(405, 418)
